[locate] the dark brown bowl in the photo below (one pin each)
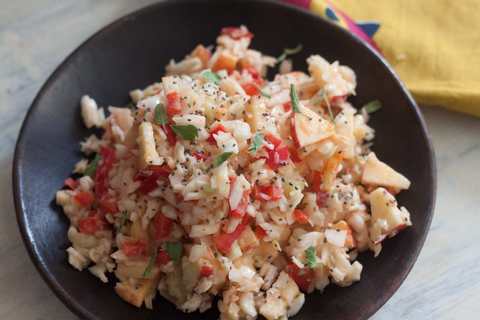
(131, 53)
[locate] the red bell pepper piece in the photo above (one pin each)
(300, 216)
(302, 277)
(260, 232)
(162, 258)
(215, 130)
(206, 271)
(251, 89)
(268, 193)
(148, 178)
(241, 209)
(224, 241)
(174, 105)
(108, 205)
(163, 226)
(71, 183)
(101, 174)
(84, 198)
(237, 33)
(91, 224)
(134, 248)
(171, 136)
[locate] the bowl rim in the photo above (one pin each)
(77, 308)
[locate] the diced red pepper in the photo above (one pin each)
(101, 174)
(108, 205)
(300, 216)
(200, 155)
(316, 181)
(174, 105)
(287, 106)
(268, 193)
(84, 198)
(206, 271)
(91, 224)
(162, 257)
(302, 277)
(215, 130)
(134, 248)
(294, 155)
(224, 241)
(322, 198)
(293, 133)
(260, 232)
(257, 78)
(251, 89)
(338, 99)
(71, 183)
(276, 157)
(237, 33)
(171, 136)
(148, 178)
(163, 226)
(273, 140)
(241, 209)
(283, 153)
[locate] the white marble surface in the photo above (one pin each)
(36, 35)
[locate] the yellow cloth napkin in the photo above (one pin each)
(434, 45)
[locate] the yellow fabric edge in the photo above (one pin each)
(460, 100)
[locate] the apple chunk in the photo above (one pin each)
(387, 218)
(377, 173)
(310, 127)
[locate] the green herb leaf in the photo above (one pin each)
(151, 264)
(289, 52)
(373, 106)
(92, 166)
(188, 132)
(266, 95)
(131, 105)
(294, 99)
(221, 158)
(161, 117)
(122, 221)
(211, 76)
(174, 250)
(257, 142)
(311, 257)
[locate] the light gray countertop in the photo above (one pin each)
(36, 35)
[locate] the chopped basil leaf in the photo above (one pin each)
(131, 105)
(122, 221)
(92, 166)
(289, 52)
(221, 158)
(311, 257)
(161, 117)
(373, 106)
(257, 142)
(174, 250)
(211, 76)
(151, 264)
(188, 132)
(266, 95)
(294, 99)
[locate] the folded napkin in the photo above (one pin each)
(434, 45)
